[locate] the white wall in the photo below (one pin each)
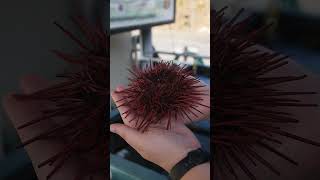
(120, 59)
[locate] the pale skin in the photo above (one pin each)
(306, 155)
(162, 146)
(20, 112)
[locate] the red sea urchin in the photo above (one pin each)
(161, 91)
(245, 101)
(81, 100)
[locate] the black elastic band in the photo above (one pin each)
(194, 158)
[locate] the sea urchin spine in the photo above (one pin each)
(163, 91)
(81, 100)
(245, 101)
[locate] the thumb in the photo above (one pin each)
(129, 134)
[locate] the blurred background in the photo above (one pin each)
(144, 30)
(295, 30)
(27, 35)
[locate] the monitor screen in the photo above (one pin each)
(127, 15)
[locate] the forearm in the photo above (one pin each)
(198, 172)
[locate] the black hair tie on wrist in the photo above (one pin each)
(194, 158)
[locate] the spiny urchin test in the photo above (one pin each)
(81, 100)
(161, 93)
(245, 102)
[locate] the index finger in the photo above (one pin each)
(118, 99)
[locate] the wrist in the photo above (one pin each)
(202, 170)
(189, 163)
(168, 165)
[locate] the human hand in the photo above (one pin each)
(20, 112)
(158, 145)
(305, 154)
(308, 127)
(202, 113)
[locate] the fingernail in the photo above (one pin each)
(112, 129)
(119, 88)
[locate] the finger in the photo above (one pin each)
(38, 151)
(19, 112)
(132, 136)
(127, 119)
(120, 88)
(32, 83)
(29, 84)
(122, 109)
(116, 96)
